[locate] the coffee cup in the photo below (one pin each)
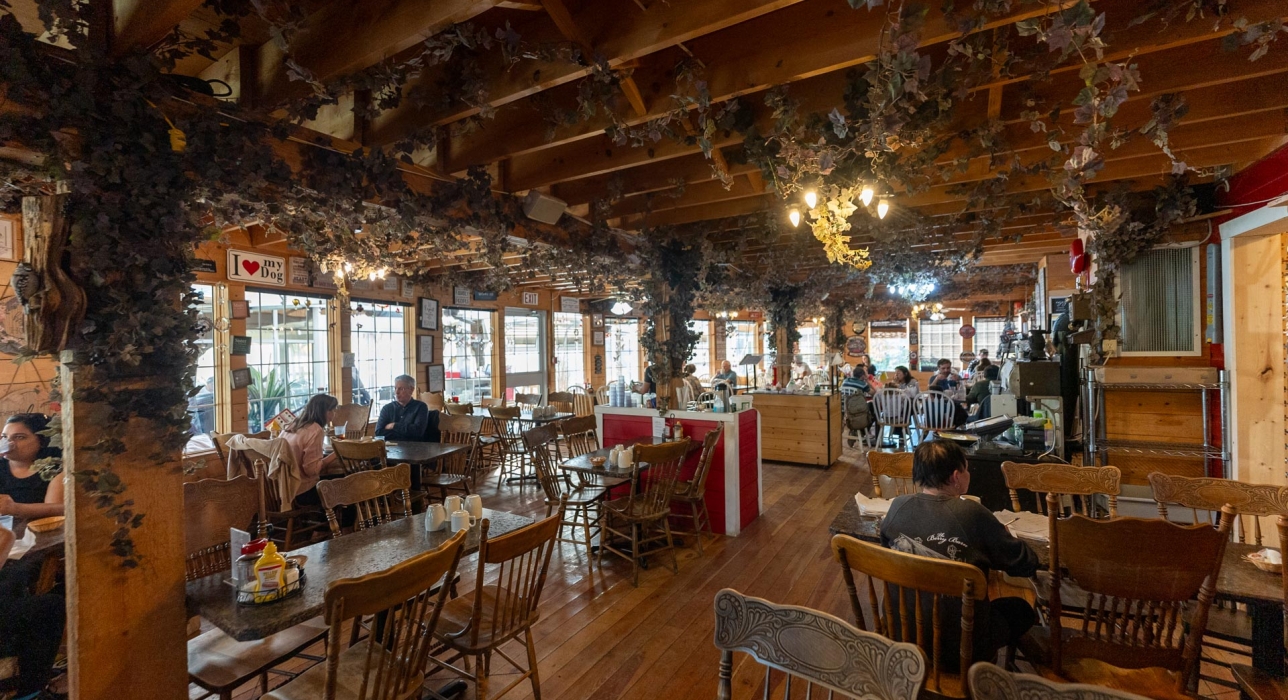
(435, 518)
(474, 504)
(452, 503)
(461, 520)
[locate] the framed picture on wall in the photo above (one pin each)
(597, 338)
(240, 308)
(427, 318)
(241, 378)
(434, 378)
(425, 348)
(596, 320)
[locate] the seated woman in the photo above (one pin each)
(938, 522)
(305, 435)
(24, 492)
(31, 626)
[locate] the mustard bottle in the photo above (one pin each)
(270, 573)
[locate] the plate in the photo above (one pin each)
(46, 524)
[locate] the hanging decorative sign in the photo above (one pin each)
(485, 296)
(240, 345)
(966, 331)
(325, 280)
(434, 378)
(460, 296)
(364, 284)
(256, 268)
(756, 315)
(391, 284)
(408, 290)
(8, 246)
(530, 298)
(241, 378)
(570, 305)
(856, 346)
(204, 265)
(300, 271)
(912, 338)
(966, 357)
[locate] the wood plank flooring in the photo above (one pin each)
(599, 638)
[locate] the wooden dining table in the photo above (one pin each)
(1238, 581)
(349, 556)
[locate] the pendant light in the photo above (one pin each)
(883, 208)
(866, 195)
(811, 198)
(795, 217)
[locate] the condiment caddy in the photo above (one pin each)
(262, 575)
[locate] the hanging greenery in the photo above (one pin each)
(675, 269)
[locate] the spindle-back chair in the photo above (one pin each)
(895, 466)
(989, 682)
(581, 504)
(894, 410)
(692, 493)
(360, 455)
(355, 418)
(647, 507)
(1065, 480)
(369, 493)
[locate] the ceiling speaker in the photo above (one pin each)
(543, 207)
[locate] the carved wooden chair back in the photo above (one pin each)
(910, 606)
(576, 389)
(664, 463)
(518, 563)
(354, 418)
(1140, 576)
(210, 508)
(537, 442)
(398, 650)
(579, 435)
(1064, 480)
(935, 410)
(820, 650)
(988, 682)
(369, 493)
(563, 397)
(459, 409)
(359, 455)
(895, 466)
(221, 442)
(433, 399)
(527, 400)
(893, 407)
(492, 402)
(1203, 497)
(457, 430)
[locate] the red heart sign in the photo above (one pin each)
(251, 266)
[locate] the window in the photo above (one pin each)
(378, 338)
(202, 406)
(810, 347)
(525, 356)
(622, 349)
(702, 351)
(988, 333)
(1159, 307)
(740, 341)
(288, 353)
(889, 345)
(467, 354)
(940, 340)
(570, 357)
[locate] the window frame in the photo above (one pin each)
(955, 341)
(638, 374)
(475, 394)
(408, 365)
(563, 339)
(328, 363)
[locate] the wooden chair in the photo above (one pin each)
(1203, 497)
(355, 419)
(1065, 480)
(579, 437)
(583, 404)
(360, 456)
(601, 395)
(895, 466)
(459, 430)
(647, 509)
(221, 442)
(459, 409)
(692, 493)
(894, 410)
(391, 663)
(492, 402)
(821, 650)
(280, 509)
(912, 604)
(583, 502)
(433, 399)
(560, 397)
(1254, 683)
(509, 451)
(216, 662)
(934, 411)
(1140, 575)
(988, 682)
(369, 493)
(479, 623)
(527, 401)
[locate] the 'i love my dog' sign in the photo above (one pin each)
(256, 268)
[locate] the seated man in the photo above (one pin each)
(405, 418)
(726, 375)
(858, 380)
(938, 522)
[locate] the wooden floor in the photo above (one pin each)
(600, 638)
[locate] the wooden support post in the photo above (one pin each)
(782, 356)
(125, 626)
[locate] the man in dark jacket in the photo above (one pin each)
(405, 418)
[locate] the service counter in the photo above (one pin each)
(734, 497)
(800, 428)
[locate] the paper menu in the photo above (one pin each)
(1025, 525)
(875, 507)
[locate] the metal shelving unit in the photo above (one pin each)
(1097, 447)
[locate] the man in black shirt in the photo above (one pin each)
(405, 418)
(938, 522)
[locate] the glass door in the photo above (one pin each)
(525, 352)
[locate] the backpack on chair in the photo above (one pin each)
(857, 413)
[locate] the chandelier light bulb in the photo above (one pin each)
(811, 199)
(866, 195)
(883, 208)
(795, 217)
(348, 267)
(733, 315)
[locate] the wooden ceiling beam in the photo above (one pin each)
(142, 23)
(653, 177)
(619, 35)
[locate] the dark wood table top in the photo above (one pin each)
(419, 452)
(526, 417)
(582, 464)
(46, 542)
(349, 556)
(1239, 580)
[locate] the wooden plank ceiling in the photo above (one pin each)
(1236, 107)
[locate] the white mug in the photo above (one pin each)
(474, 504)
(626, 458)
(461, 520)
(435, 518)
(452, 503)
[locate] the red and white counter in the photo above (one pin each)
(734, 494)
